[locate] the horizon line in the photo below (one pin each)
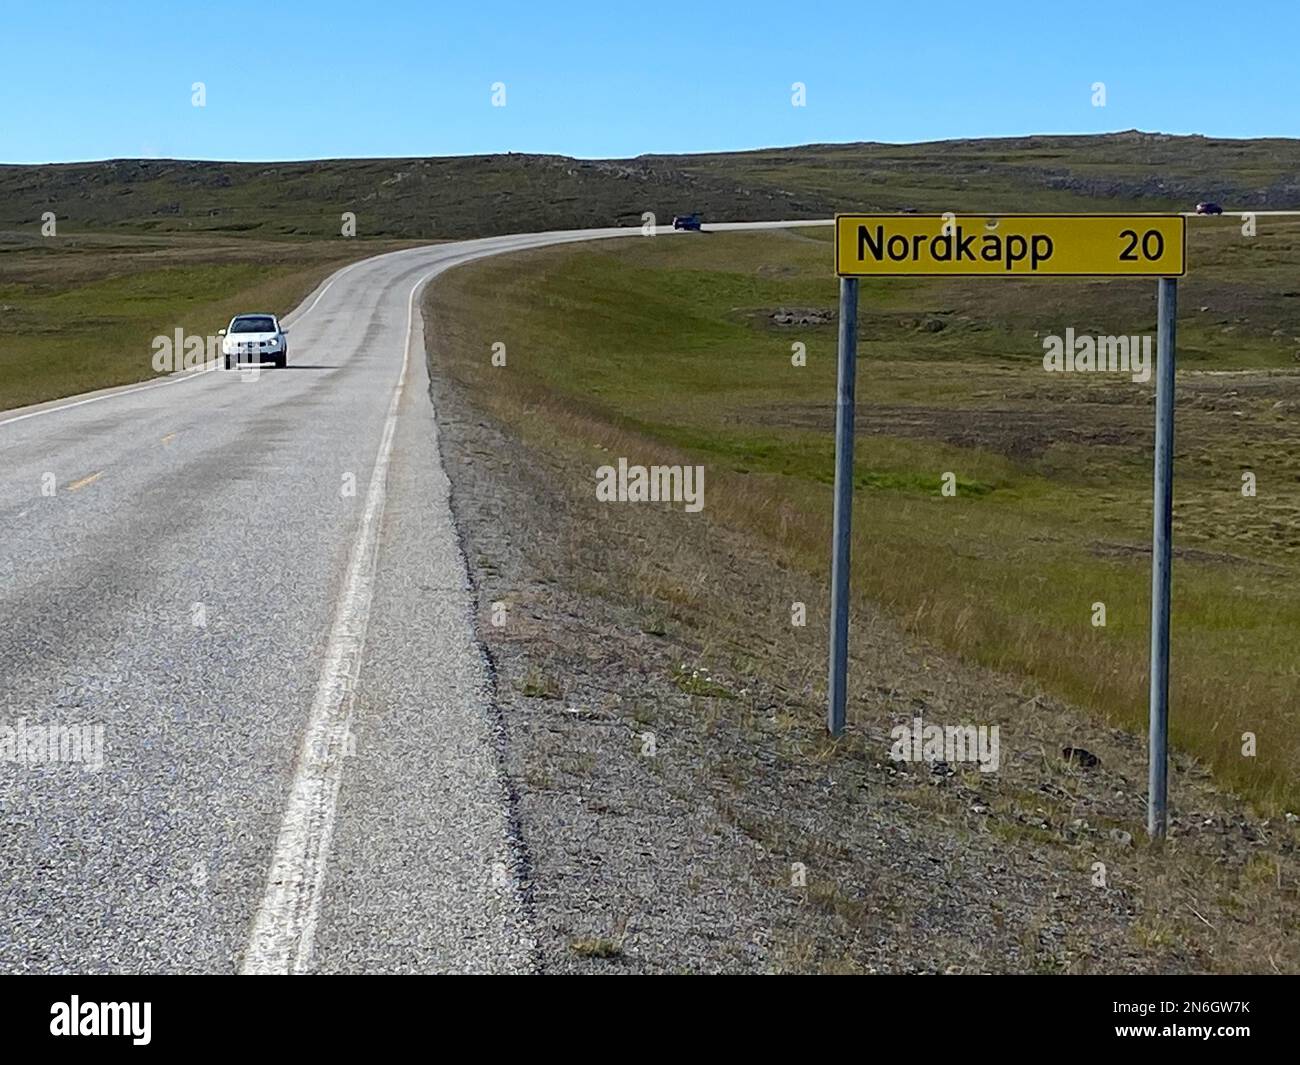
(648, 154)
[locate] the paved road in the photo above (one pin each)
(254, 587)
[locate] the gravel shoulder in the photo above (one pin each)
(680, 808)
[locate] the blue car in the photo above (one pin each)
(686, 221)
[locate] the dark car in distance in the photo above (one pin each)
(686, 221)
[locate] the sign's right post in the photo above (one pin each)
(1161, 555)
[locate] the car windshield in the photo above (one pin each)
(256, 324)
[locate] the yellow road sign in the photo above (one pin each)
(1010, 245)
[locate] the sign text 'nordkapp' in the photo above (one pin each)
(1010, 245)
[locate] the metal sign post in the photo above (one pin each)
(846, 379)
(1161, 555)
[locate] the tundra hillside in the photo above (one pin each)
(146, 246)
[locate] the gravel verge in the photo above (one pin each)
(681, 809)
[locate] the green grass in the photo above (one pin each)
(653, 348)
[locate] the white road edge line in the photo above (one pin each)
(284, 928)
(106, 395)
(283, 931)
(328, 285)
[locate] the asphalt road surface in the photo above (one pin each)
(252, 583)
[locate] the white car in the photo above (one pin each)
(254, 338)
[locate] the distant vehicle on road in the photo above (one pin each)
(686, 221)
(1205, 207)
(255, 338)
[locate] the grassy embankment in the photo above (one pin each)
(665, 350)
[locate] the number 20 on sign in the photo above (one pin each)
(1010, 245)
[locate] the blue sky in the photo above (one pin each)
(291, 80)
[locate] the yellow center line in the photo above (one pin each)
(85, 481)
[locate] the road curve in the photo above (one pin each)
(254, 586)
